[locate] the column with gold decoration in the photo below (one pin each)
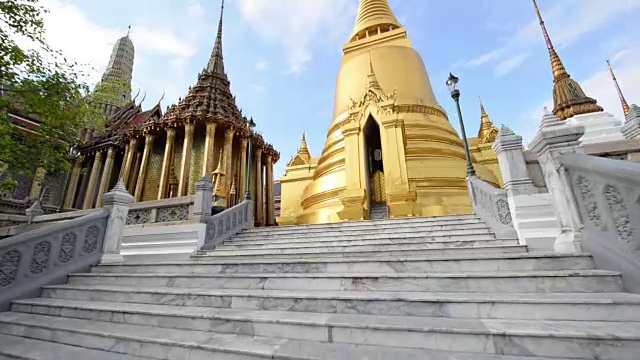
(183, 185)
(106, 176)
(144, 164)
(165, 175)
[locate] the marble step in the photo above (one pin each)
(502, 281)
(459, 229)
(24, 348)
(416, 221)
(417, 264)
(532, 306)
(354, 245)
(375, 250)
(305, 239)
(601, 340)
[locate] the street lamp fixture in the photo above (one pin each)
(73, 155)
(250, 126)
(452, 83)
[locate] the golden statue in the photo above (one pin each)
(389, 142)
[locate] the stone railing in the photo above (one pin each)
(607, 194)
(46, 256)
(222, 226)
(157, 211)
(492, 206)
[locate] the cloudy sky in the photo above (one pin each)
(282, 56)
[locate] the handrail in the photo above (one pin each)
(46, 256)
(492, 206)
(224, 225)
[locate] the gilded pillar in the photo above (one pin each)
(228, 158)
(106, 176)
(259, 189)
(209, 145)
(243, 168)
(183, 185)
(354, 196)
(73, 183)
(133, 144)
(36, 184)
(93, 180)
(124, 160)
(270, 206)
(148, 145)
(165, 175)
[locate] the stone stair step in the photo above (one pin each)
(468, 263)
(604, 340)
(531, 306)
(503, 281)
(348, 252)
(363, 245)
(440, 220)
(23, 348)
(249, 235)
(351, 239)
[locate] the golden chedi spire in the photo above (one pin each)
(386, 120)
(302, 157)
(487, 132)
(374, 16)
(625, 106)
(218, 176)
(568, 97)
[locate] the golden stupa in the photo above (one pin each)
(390, 142)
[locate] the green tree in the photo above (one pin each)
(37, 82)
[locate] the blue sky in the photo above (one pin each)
(282, 56)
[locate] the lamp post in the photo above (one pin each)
(452, 83)
(250, 126)
(73, 155)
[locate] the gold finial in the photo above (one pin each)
(219, 170)
(233, 190)
(568, 97)
(625, 106)
(487, 132)
(373, 15)
(303, 144)
(218, 175)
(372, 79)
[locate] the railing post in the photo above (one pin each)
(34, 210)
(117, 202)
(203, 199)
(553, 140)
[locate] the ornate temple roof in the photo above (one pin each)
(302, 157)
(623, 101)
(373, 14)
(487, 132)
(568, 97)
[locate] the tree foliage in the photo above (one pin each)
(37, 82)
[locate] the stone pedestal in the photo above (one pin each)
(203, 200)
(117, 202)
(598, 127)
(631, 129)
(353, 205)
(402, 203)
(510, 152)
(553, 140)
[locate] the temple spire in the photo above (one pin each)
(625, 106)
(216, 61)
(557, 67)
(129, 31)
(373, 16)
(487, 132)
(568, 97)
(372, 79)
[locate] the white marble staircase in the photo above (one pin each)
(423, 288)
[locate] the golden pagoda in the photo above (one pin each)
(389, 143)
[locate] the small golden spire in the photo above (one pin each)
(487, 132)
(233, 190)
(303, 144)
(219, 170)
(218, 175)
(625, 106)
(372, 79)
(568, 97)
(373, 15)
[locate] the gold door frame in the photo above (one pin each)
(378, 188)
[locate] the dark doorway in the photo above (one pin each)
(373, 150)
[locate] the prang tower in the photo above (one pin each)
(390, 143)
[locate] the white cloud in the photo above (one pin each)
(296, 24)
(160, 45)
(261, 65)
(507, 65)
(567, 22)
